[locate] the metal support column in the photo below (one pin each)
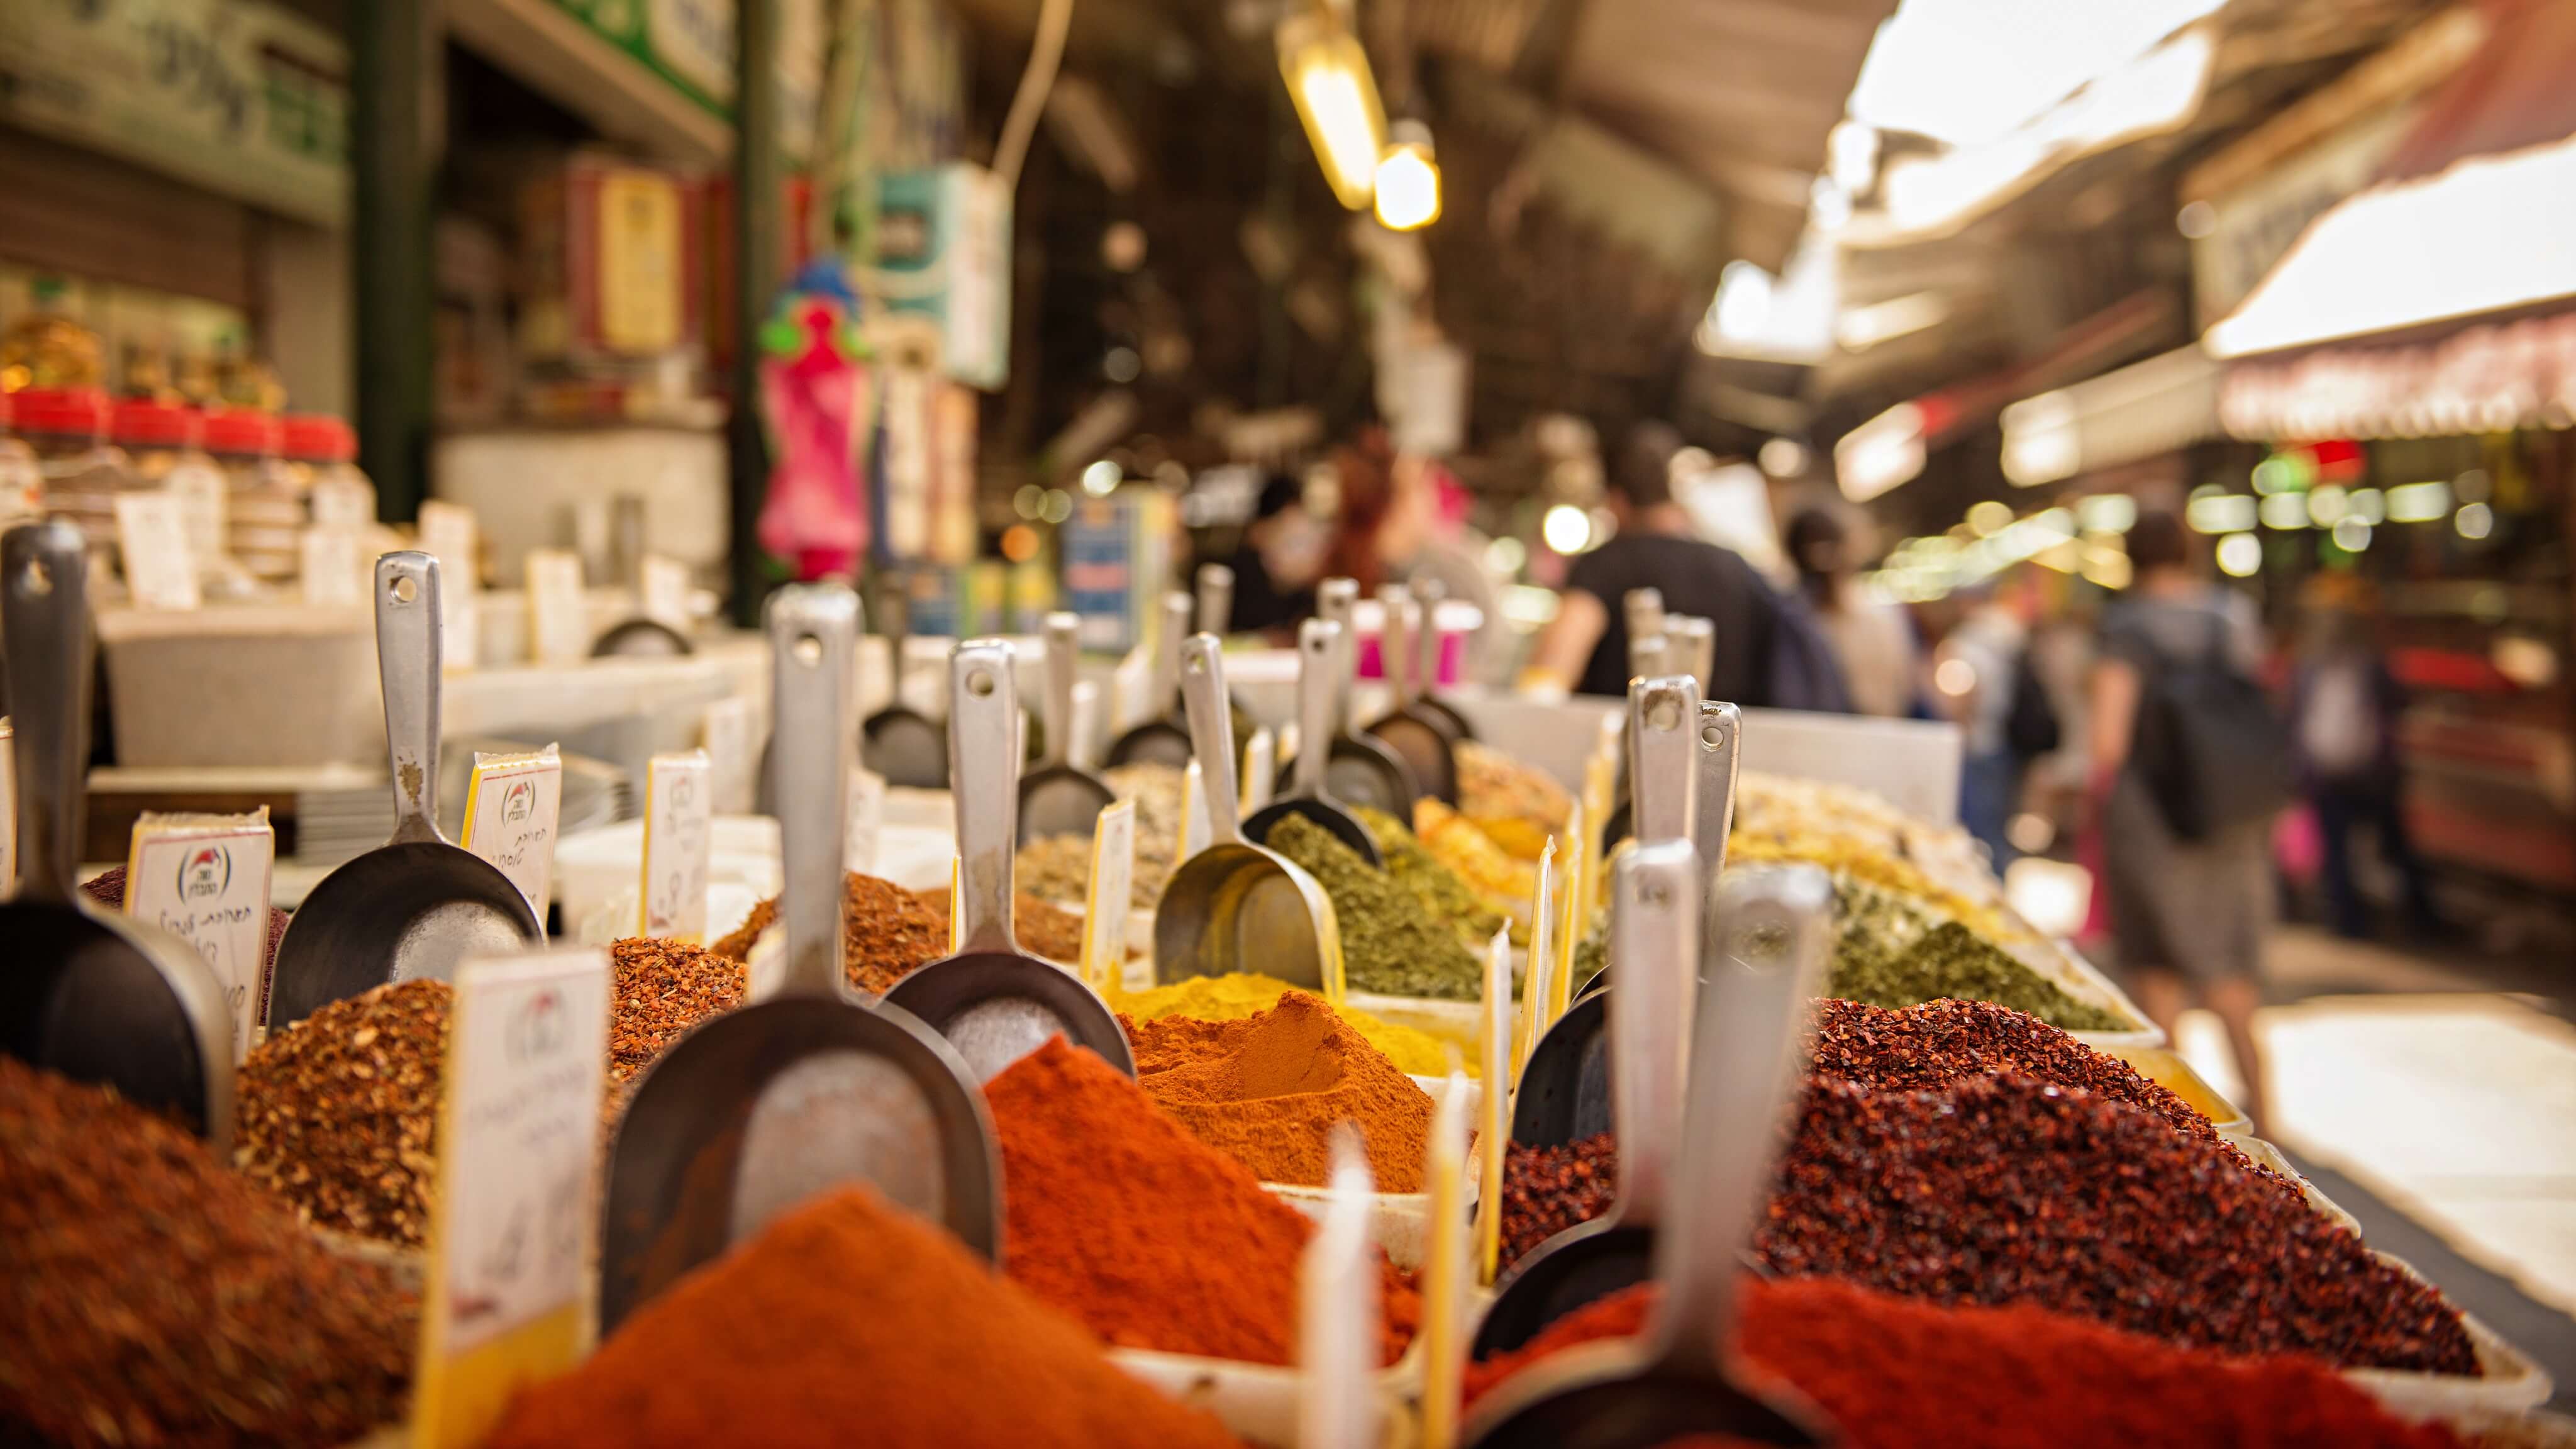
(759, 176)
(393, 80)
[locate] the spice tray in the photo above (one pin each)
(2066, 966)
(1258, 1401)
(2508, 1381)
(1459, 1022)
(2166, 1068)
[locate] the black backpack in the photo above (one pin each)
(2030, 722)
(2210, 749)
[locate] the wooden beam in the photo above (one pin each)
(394, 66)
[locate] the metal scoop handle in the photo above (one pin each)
(984, 775)
(1335, 599)
(1167, 653)
(1644, 612)
(1721, 739)
(1395, 658)
(1212, 735)
(1649, 655)
(813, 632)
(1777, 934)
(1216, 599)
(47, 619)
(1655, 951)
(1663, 724)
(1427, 640)
(410, 634)
(1694, 641)
(1063, 660)
(1319, 643)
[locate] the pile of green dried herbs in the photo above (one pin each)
(1433, 883)
(1887, 953)
(1390, 944)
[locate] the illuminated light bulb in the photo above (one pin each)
(1566, 528)
(1100, 479)
(1328, 77)
(2474, 521)
(1408, 180)
(2239, 555)
(2351, 534)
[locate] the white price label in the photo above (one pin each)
(1113, 876)
(511, 807)
(205, 879)
(678, 819)
(447, 533)
(201, 490)
(733, 751)
(1260, 769)
(346, 503)
(152, 542)
(334, 567)
(518, 1148)
(558, 616)
(864, 824)
(663, 591)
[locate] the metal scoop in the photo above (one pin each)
(761, 1108)
(1163, 739)
(1235, 906)
(995, 1003)
(1421, 741)
(899, 742)
(1358, 768)
(1715, 756)
(98, 997)
(1431, 591)
(1309, 792)
(1654, 926)
(1060, 797)
(415, 906)
(1681, 1379)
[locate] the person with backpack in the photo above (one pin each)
(1985, 682)
(2344, 705)
(2190, 763)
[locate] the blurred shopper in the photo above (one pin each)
(1365, 470)
(1586, 646)
(2181, 753)
(1278, 561)
(1873, 641)
(2344, 705)
(1425, 537)
(2006, 720)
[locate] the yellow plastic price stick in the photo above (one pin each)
(1539, 988)
(1496, 1134)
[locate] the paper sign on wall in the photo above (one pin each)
(511, 806)
(678, 820)
(558, 616)
(152, 542)
(864, 825)
(1104, 917)
(518, 1144)
(205, 879)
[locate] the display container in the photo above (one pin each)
(2166, 1068)
(265, 509)
(82, 472)
(242, 684)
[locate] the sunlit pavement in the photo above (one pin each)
(2442, 1115)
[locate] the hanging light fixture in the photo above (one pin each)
(1328, 77)
(1408, 179)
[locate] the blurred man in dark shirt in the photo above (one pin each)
(1586, 646)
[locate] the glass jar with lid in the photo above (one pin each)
(265, 505)
(81, 471)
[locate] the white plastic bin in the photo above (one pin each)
(245, 684)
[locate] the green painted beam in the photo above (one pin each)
(393, 61)
(759, 175)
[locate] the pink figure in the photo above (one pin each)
(816, 404)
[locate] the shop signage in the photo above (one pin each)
(689, 44)
(2484, 379)
(240, 97)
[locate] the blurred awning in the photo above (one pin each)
(2147, 408)
(1740, 93)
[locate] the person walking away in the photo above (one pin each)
(1585, 647)
(2006, 720)
(1872, 639)
(2188, 770)
(1278, 561)
(2345, 704)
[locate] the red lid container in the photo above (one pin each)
(143, 423)
(243, 431)
(320, 438)
(61, 411)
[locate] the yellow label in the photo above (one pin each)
(956, 906)
(1496, 1128)
(640, 291)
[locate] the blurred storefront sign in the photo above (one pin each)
(240, 97)
(2486, 379)
(2148, 408)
